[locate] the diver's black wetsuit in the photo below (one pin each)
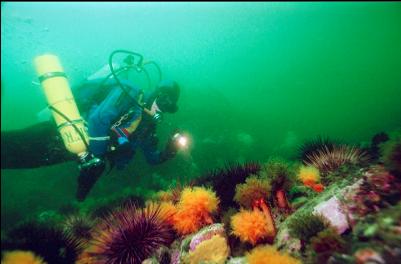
(32, 147)
(41, 145)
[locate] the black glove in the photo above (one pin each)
(171, 147)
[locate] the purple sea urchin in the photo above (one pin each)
(129, 235)
(78, 228)
(103, 207)
(44, 240)
(225, 180)
(330, 159)
(313, 145)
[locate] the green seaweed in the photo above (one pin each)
(306, 225)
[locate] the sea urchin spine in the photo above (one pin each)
(129, 235)
(328, 160)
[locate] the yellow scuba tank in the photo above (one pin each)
(61, 101)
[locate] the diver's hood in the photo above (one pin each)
(166, 95)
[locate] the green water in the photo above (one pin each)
(257, 79)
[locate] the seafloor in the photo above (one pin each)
(335, 204)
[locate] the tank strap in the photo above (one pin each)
(72, 122)
(49, 75)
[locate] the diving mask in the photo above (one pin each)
(158, 116)
(156, 113)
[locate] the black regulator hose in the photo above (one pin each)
(156, 66)
(115, 74)
(111, 74)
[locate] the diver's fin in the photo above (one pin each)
(111, 167)
(87, 179)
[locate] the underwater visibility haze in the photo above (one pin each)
(297, 102)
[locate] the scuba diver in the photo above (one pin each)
(116, 128)
(120, 117)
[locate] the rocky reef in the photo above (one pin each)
(335, 204)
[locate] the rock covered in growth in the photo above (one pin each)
(206, 233)
(376, 190)
(209, 245)
(368, 255)
(332, 211)
(214, 250)
(291, 244)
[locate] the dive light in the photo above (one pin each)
(180, 140)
